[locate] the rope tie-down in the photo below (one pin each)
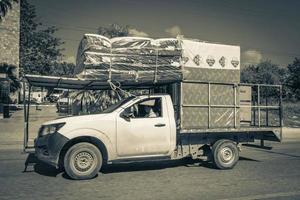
(117, 89)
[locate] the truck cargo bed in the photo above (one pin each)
(213, 109)
(244, 134)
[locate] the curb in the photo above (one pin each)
(290, 134)
(11, 147)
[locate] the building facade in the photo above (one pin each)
(9, 54)
(10, 37)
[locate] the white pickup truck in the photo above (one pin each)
(137, 128)
(204, 110)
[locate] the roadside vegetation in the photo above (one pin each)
(291, 114)
(289, 76)
(5, 6)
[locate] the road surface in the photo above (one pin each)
(260, 174)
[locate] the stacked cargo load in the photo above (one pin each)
(209, 88)
(210, 62)
(129, 60)
(208, 72)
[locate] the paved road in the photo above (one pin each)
(260, 174)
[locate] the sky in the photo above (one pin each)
(265, 29)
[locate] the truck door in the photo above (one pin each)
(143, 129)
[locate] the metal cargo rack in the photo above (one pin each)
(260, 126)
(71, 84)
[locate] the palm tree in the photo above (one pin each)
(88, 101)
(4, 6)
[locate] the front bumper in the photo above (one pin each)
(48, 148)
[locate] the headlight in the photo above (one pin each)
(49, 129)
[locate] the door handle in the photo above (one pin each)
(159, 125)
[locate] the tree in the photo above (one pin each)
(263, 73)
(114, 30)
(293, 78)
(5, 5)
(39, 48)
(63, 69)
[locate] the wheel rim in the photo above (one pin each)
(226, 155)
(84, 161)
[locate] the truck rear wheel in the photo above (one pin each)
(83, 161)
(225, 154)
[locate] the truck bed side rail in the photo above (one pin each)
(210, 105)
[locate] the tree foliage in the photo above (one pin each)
(62, 69)
(293, 78)
(39, 48)
(114, 30)
(269, 73)
(5, 5)
(264, 73)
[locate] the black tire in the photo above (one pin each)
(225, 154)
(83, 161)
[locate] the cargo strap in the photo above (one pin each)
(117, 88)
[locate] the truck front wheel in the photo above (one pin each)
(83, 161)
(225, 154)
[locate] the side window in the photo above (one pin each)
(148, 108)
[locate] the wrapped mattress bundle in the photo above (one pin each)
(129, 59)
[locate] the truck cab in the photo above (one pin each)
(135, 128)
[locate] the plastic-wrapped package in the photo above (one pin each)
(140, 60)
(129, 59)
(95, 43)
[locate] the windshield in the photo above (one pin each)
(117, 105)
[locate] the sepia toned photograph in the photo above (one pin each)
(150, 99)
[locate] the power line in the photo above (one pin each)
(252, 48)
(68, 39)
(68, 27)
(84, 28)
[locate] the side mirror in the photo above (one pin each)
(127, 115)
